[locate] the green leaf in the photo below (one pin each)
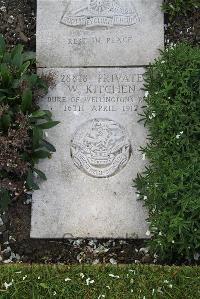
(5, 74)
(16, 83)
(37, 136)
(48, 125)
(29, 56)
(5, 121)
(7, 57)
(32, 79)
(2, 45)
(48, 145)
(5, 91)
(17, 60)
(40, 154)
(26, 157)
(13, 98)
(40, 173)
(44, 285)
(48, 114)
(2, 98)
(4, 199)
(17, 50)
(26, 100)
(30, 182)
(38, 114)
(24, 67)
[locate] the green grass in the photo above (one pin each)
(132, 281)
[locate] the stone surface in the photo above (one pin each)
(98, 32)
(89, 190)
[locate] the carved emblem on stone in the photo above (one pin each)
(100, 13)
(100, 147)
(100, 6)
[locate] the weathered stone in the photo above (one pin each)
(98, 33)
(89, 190)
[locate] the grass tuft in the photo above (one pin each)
(88, 282)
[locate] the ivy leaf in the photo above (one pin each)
(26, 100)
(48, 125)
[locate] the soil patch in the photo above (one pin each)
(18, 22)
(66, 251)
(183, 29)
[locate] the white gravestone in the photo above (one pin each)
(89, 189)
(98, 32)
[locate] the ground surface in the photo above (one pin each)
(184, 29)
(17, 240)
(18, 23)
(122, 282)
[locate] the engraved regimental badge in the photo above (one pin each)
(100, 148)
(100, 13)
